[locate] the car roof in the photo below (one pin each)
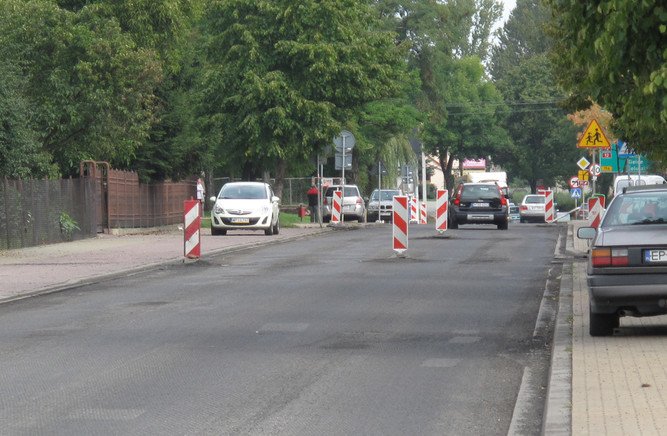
(246, 183)
(658, 187)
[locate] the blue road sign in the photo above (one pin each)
(575, 192)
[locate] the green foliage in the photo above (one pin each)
(543, 140)
(67, 225)
(614, 53)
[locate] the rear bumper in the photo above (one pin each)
(643, 294)
(479, 217)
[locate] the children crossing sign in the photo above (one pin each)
(593, 137)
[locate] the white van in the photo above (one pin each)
(624, 180)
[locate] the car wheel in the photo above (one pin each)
(269, 231)
(522, 220)
(602, 324)
(218, 232)
(362, 218)
(503, 225)
(453, 224)
(276, 227)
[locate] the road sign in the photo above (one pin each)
(583, 176)
(583, 163)
(575, 193)
(595, 170)
(634, 164)
(624, 151)
(593, 137)
(574, 182)
(339, 161)
(346, 137)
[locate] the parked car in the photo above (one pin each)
(354, 206)
(245, 205)
(627, 262)
(532, 208)
(380, 204)
(514, 213)
(479, 203)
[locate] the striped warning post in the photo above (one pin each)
(400, 223)
(441, 211)
(549, 206)
(414, 213)
(594, 212)
(336, 206)
(423, 217)
(192, 226)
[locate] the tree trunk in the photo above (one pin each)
(281, 170)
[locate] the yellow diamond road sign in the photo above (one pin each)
(593, 137)
(583, 163)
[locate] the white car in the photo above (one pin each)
(381, 209)
(247, 206)
(532, 208)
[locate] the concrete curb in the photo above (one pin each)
(558, 405)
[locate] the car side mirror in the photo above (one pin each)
(212, 199)
(586, 232)
(275, 199)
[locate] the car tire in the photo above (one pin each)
(218, 232)
(522, 220)
(453, 224)
(503, 226)
(361, 218)
(269, 231)
(602, 324)
(276, 227)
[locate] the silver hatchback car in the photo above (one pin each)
(353, 204)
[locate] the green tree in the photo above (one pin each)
(88, 86)
(614, 52)
(284, 77)
(543, 140)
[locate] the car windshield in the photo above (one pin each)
(534, 199)
(387, 195)
(480, 192)
(350, 191)
(238, 191)
(637, 209)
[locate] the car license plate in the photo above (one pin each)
(479, 205)
(478, 217)
(240, 220)
(655, 256)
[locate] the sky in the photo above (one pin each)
(508, 5)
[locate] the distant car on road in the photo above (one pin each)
(380, 206)
(514, 213)
(353, 204)
(479, 203)
(627, 263)
(247, 206)
(532, 208)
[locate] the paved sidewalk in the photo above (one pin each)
(36, 270)
(619, 383)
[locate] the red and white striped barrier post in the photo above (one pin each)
(441, 211)
(400, 223)
(594, 212)
(336, 206)
(423, 213)
(549, 206)
(192, 226)
(414, 213)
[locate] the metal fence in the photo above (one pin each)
(35, 212)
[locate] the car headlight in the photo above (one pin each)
(217, 209)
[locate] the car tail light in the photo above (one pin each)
(359, 200)
(457, 198)
(609, 257)
(523, 207)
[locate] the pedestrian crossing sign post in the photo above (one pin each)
(575, 192)
(593, 137)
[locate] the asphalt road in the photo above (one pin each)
(330, 335)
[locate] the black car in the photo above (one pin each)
(479, 203)
(627, 262)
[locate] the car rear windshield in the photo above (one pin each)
(350, 191)
(386, 195)
(479, 192)
(534, 199)
(637, 208)
(236, 192)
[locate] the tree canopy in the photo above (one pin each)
(614, 53)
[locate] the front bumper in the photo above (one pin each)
(249, 222)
